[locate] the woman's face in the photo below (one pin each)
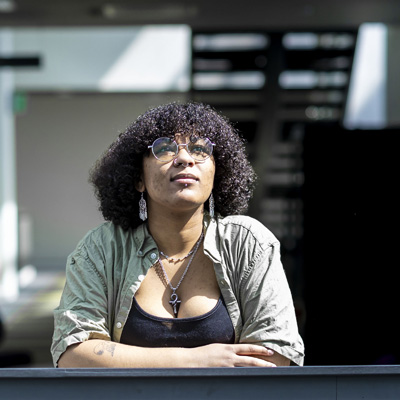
(180, 185)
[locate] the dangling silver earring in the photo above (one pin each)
(142, 208)
(211, 205)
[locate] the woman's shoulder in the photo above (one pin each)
(240, 225)
(105, 234)
(104, 230)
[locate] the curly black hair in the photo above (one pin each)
(116, 173)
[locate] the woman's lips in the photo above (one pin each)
(184, 179)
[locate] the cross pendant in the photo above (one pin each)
(175, 303)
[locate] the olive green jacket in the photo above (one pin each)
(109, 264)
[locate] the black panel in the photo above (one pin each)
(352, 215)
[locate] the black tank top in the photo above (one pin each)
(146, 330)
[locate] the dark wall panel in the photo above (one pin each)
(352, 217)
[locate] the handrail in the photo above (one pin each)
(329, 382)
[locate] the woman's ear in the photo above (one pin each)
(139, 186)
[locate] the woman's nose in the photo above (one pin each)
(183, 157)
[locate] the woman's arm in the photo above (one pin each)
(269, 317)
(105, 354)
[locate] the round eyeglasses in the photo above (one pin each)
(166, 149)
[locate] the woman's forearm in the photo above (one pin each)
(105, 354)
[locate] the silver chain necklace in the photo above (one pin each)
(175, 302)
(172, 259)
(175, 260)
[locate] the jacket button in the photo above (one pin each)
(119, 325)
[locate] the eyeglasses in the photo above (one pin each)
(166, 149)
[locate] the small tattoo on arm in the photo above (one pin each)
(102, 347)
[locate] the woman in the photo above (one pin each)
(176, 278)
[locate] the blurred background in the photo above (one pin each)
(313, 87)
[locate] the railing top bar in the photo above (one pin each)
(27, 373)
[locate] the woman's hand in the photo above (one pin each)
(232, 355)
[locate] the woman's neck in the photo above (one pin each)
(176, 234)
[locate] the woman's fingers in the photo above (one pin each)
(235, 355)
(248, 355)
(252, 349)
(246, 361)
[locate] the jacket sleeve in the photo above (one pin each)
(82, 313)
(268, 314)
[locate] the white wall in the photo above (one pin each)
(59, 137)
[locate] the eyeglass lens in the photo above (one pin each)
(166, 149)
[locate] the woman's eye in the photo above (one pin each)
(199, 149)
(166, 149)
